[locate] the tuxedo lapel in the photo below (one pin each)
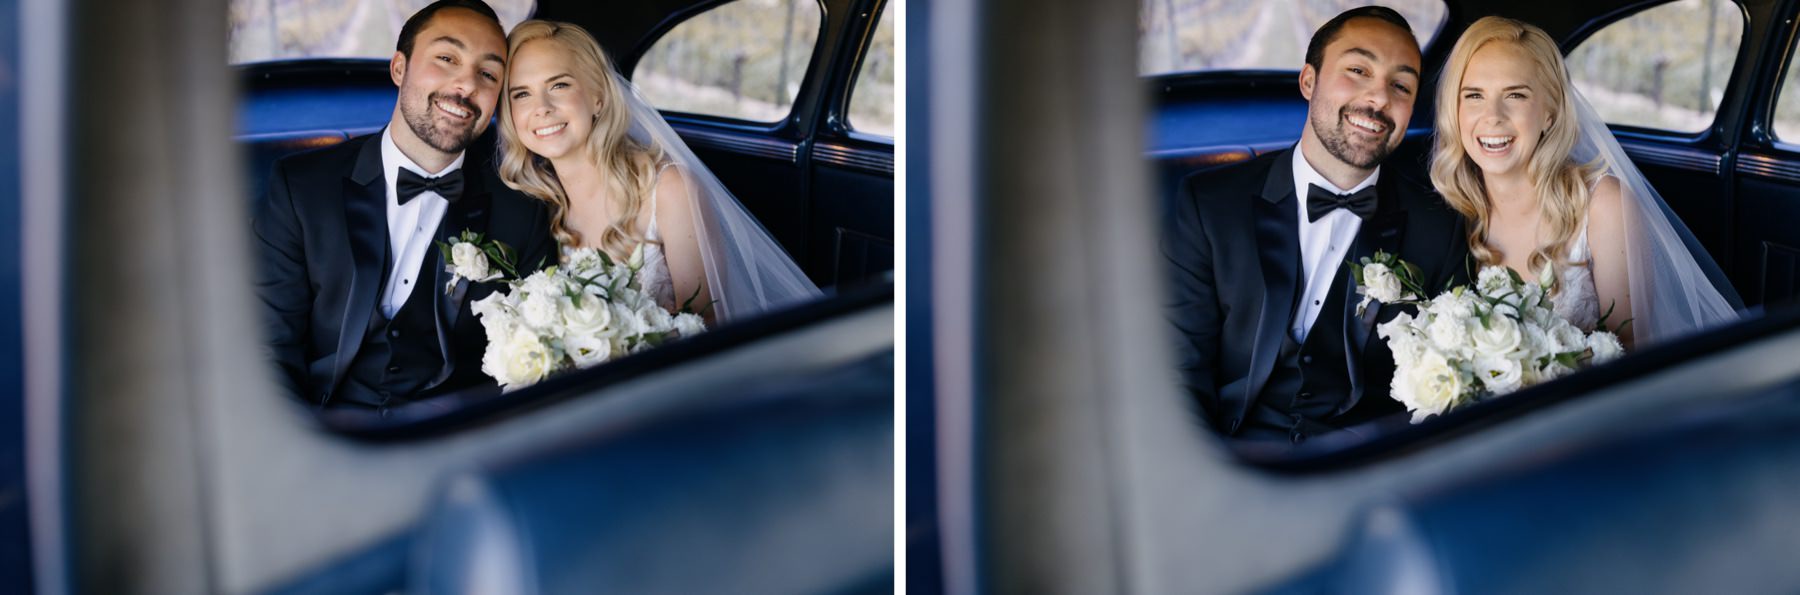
(1380, 232)
(365, 220)
(470, 213)
(1278, 247)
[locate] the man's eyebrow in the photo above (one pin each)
(1371, 56)
(462, 46)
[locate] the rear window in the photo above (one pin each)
(1177, 36)
(284, 29)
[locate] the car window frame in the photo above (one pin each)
(791, 126)
(1717, 129)
(837, 114)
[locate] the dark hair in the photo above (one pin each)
(1327, 33)
(418, 20)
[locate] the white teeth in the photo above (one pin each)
(1368, 125)
(453, 110)
(1494, 142)
(549, 130)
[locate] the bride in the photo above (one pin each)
(576, 135)
(1542, 182)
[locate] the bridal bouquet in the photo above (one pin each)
(573, 316)
(1469, 344)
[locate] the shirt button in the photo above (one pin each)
(393, 369)
(394, 332)
(1305, 395)
(1306, 359)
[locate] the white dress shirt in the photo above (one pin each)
(412, 227)
(1323, 243)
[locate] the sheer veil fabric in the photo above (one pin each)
(1676, 288)
(747, 271)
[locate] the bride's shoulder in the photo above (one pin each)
(1607, 199)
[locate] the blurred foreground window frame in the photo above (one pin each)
(1694, 86)
(1209, 35)
(795, 41)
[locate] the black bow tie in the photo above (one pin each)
(449, 186)
(1320, 201)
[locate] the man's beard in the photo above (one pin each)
(444, 138)
(1337, 141)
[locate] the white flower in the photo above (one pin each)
(469, 262)
(587, 350)
(1605, 346)
(1431, 386)
(1449, 334)
(540, 311)
(688, 324)
(1380, 282)
(1494, 282)
(519, 360)
(1500, 338)
(586, 317)
(1500, 375)
(636, 261)
(1567, 337)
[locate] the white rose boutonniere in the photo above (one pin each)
(471, 256)
(1386, 279)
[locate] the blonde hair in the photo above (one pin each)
(1561, 183)
(630, 167)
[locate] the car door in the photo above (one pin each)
(1676, 108)
(768, 103)
(1766, 181)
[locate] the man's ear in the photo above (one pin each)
(1308, 77)
(397, 67)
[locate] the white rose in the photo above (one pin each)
(585, 317)
(1499, 375)
(1605, 346)
(468, 261)
(1434, 386)
(1499, 338)
(688, 324)
(636, 261)
(587, 350)
(1379, 282)
(520, 360)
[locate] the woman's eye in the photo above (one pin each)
(519, 95)
(1357, 70)
(559, 85)
(1472, 96)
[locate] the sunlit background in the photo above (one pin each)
(743, 60)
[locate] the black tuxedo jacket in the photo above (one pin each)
(322, 229)
(1233, 246)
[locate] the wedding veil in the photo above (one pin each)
(1676, 288)
(746, 269)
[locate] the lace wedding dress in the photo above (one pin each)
(1576, 300)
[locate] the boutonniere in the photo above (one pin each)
(474, 257)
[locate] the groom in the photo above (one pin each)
(352, 284)
(1271, 345)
